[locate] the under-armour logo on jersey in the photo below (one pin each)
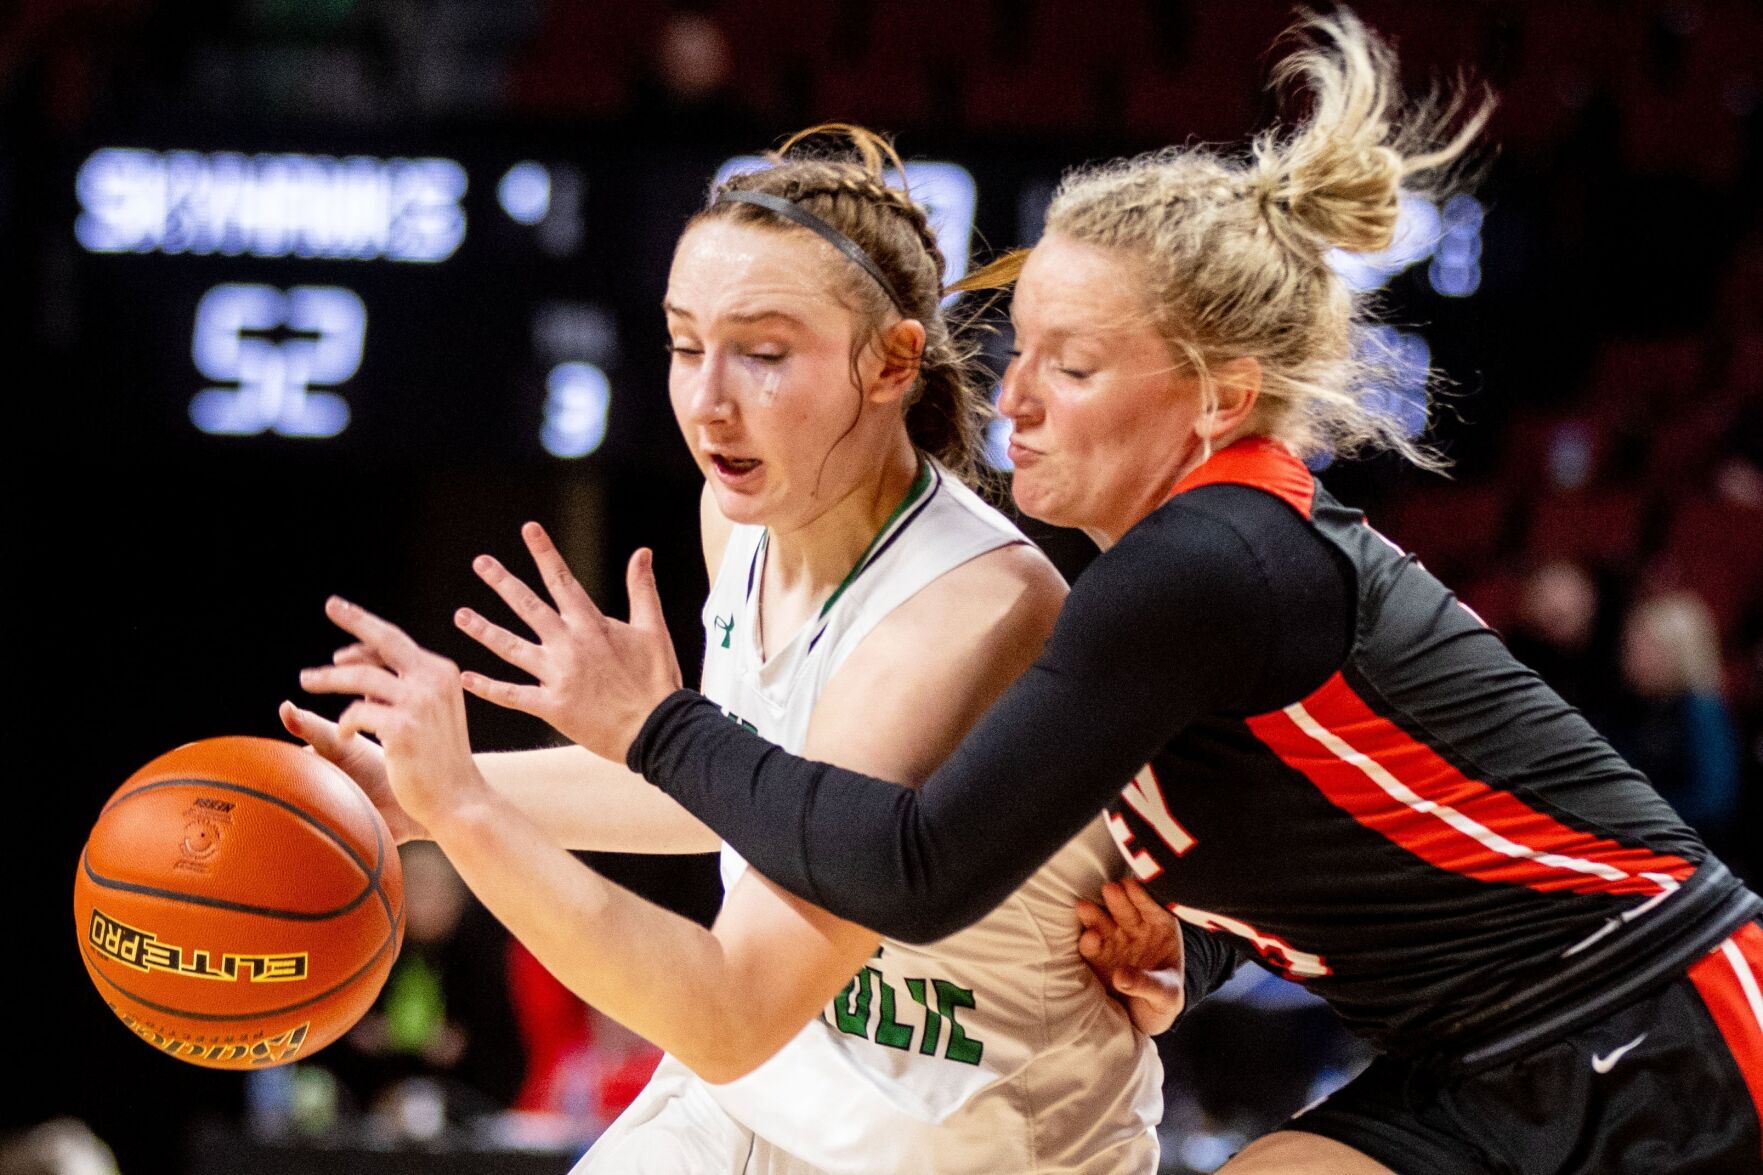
(726, 627)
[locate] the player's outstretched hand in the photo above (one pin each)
(411, 700)
(1134, 947)
(598, 678)
(359, 756)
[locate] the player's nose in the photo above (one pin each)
(708, 398)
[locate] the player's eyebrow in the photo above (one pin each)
(742, 317)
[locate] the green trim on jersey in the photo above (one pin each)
(919, 486)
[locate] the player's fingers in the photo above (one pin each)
(566, 591)
(367, 681)
(392, 644)
(521, 599)
(356, 654)
(639, 582)
(318, 733)
(1121, 908)
(1089, 945)
(1149, 908)
(1092, 916)
(1161, 989)
(363, 717)
(1146, 984)
(1136, 892)
(1159, 984)
(528, 699)
(521, 654)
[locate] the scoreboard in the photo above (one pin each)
(400, 303)
(413, 305)
(479, 302)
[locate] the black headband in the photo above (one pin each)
(796, 213)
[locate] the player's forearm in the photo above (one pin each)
(582, 801)
(659, 974)
(915, 866)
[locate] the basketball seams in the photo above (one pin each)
(374, 874)
(380, 832)
(175, 895)
(256, 793)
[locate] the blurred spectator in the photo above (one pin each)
(1564, 633)
(688, 88)
(445, 1012)
(1673, 723)
(581, 1064)
(62, 1146)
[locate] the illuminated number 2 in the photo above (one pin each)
(275, 347)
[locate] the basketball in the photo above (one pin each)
(239, 903)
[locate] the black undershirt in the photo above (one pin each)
(1222, 602)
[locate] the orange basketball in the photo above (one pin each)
(239, 903)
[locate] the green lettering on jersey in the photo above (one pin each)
(851, 1006)
(933, 1023)
(961, 1047)
(850, 1015)
(889, 1031)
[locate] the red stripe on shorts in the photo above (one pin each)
(1730, 981)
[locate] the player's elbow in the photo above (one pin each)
(719, 1067)
(731, 1052)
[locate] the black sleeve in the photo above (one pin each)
(1177, 620)
(1208, 961)
(1172, 622)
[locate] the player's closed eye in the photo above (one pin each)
(1076, 373)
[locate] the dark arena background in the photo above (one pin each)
(444, 320)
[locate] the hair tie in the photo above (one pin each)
(797, 214)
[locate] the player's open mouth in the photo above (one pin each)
(734, 466)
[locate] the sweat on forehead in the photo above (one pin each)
(1078, 286)
(724, 268)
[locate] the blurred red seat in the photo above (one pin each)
(1084, 35)
(1596, 526)
(889, 95)
(1014, 101)
(1207, 105)
(584, 58)
(1715, 548)
(1456, 530)
(932, 32)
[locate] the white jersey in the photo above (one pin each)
(993, 1050)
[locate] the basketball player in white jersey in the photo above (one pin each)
(866, 607)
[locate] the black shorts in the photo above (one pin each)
(1671, 1083)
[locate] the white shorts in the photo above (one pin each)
(674, 1127)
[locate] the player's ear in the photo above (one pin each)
(1237, 386)
(901, 348)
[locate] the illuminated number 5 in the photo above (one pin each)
(275, 347)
